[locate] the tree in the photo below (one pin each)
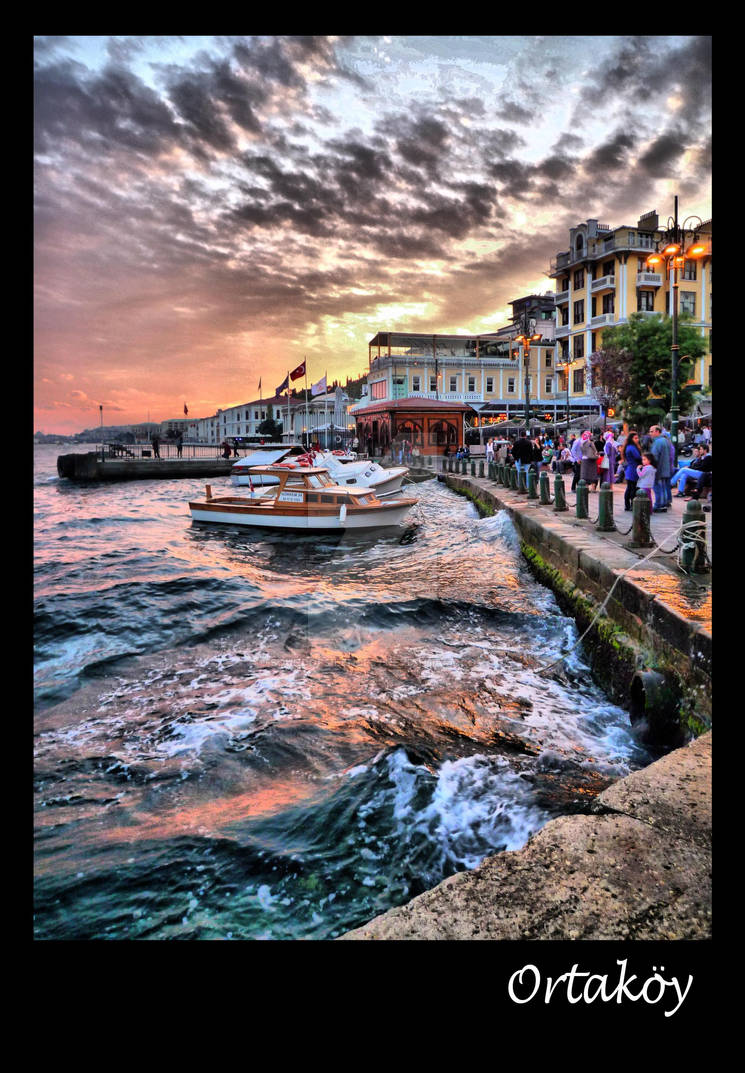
(270, 428)
(610, 376)
(643, 348)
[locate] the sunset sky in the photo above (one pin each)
(209, 210)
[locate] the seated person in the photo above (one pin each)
(700, 463)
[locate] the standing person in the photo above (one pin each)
(589, 465)
(660, 454)
(179, 445)
(537, 457)
(646, 476)
(155, 440)
(632, 459)
(610, 453)
(522, 452)
(575, 450)
(490, 450)
(225, 449)
(356, 444)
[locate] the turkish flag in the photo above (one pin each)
(300, 371)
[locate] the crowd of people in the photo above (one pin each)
(644, 462)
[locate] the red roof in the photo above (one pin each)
(415, 403)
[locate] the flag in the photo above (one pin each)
(186, 410)
(300, 371)
(283, 386)
(319, 388)
(259, 385)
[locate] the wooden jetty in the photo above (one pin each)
(102, 466)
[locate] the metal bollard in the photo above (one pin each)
(560, 502)
(605, 522)
(513, 478)
(582, 505)
(463, 466)
(501, 475)
(492, 471)
(473, 468)
(544, 489)
(694, 557)
(522, 485)
(641, 534)
(481, 469)
(532, 482)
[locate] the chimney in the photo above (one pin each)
(648, 222)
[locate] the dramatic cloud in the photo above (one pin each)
(211, 210)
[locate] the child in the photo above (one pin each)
(646, 473)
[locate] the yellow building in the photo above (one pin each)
(603, 278)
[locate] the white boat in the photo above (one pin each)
(340, 464)
(303, 498)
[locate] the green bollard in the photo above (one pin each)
(605, 522)
(532, 482)
(502, 474)
(493, 471)
(544, 489)
(694, 557)
(560, 502)
(481, 469)
(513, 478)
(641, 533)
(582, 504)
(463, 464)
(522, 485)
(473, 468)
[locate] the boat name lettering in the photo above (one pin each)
(291, 497)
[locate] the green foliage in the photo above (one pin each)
(644, 395)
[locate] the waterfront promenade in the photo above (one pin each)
(638, 866)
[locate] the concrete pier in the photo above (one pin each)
(90, 467)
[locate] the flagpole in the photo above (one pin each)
(307, 429)
(288, 408)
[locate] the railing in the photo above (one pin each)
(561, 296)
(648, 279)
(603, 283)
(602, 318)
(168, 449)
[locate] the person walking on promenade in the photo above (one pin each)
(155, 440)
(646, 476)
(589, 466)
(179, 445)
(489, 450)
(575, 450)
(660, 454)
(632, 459)
(522, 452)
(537, 456)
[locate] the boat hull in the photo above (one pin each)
(388, 514)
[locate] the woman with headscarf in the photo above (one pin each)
(589, 467)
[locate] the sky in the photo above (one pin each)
(209, 211)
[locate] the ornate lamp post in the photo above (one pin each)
(681, 244)
(525, 340)
(565, 366)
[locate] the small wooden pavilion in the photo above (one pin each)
(428, 424)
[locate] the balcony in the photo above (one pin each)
(648, 279)
(561, 296)
(604, 283)
(603, 319)
(563, 330)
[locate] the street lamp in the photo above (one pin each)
(525, 340)
(565, 366)
(681, 244)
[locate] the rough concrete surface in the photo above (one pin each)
(639, 867)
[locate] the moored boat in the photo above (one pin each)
(303, 498)
(342, 468)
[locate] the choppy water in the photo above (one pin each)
(262, 735)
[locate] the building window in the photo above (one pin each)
(564, 346)
(710, 376)
(433, 383)
(471, 383)
(563, 381)
(579, 346)
(511, 385)
(593, 342)
(548, 360)
(490, 383)
(579, 312)
(564, 285)
(415, 383)
(565, 314)
(549, 384)
(609, 303)
(578, 381)
(646, 241)
(644, 301)
(688, 302)
(579, 278)
(379, 390)
(689, 270)
(453, 383)
(609, 268)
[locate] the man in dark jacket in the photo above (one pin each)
(522, 452)
(700, 463)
